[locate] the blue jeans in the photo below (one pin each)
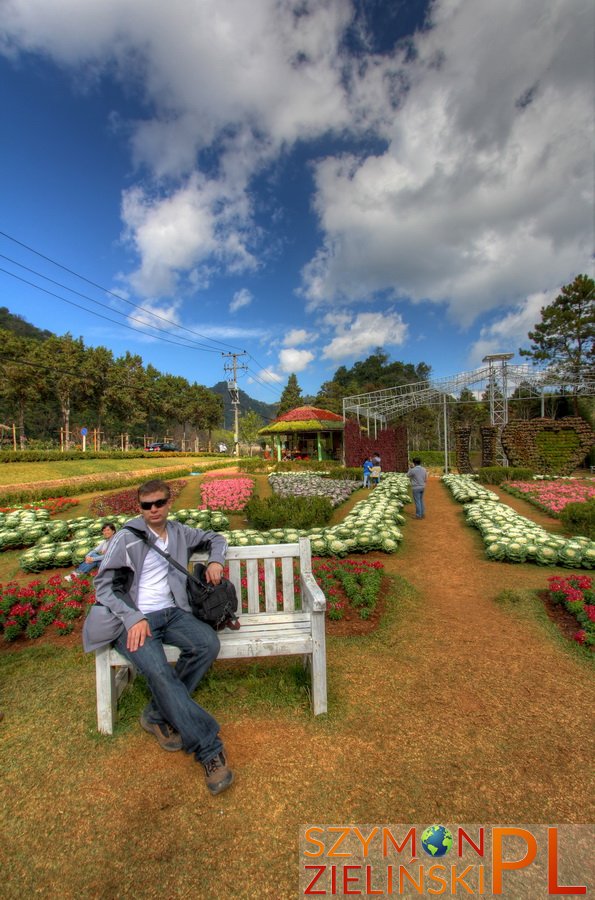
(86, 567)
(418, 499)
(171, 688)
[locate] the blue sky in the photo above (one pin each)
(305, 180)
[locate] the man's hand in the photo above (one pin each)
(214, 573)
(137, 635)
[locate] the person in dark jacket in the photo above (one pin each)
(141, 605)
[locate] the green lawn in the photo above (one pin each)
(27, 473)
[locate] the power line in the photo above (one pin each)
(24, 362)
(99, 315)
(111, 293)
(256, 377)
(194, 344)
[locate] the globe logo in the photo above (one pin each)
(436, 840)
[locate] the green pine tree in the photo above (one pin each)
(565, 337)
(291, 396)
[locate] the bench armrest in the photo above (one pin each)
(313, 598)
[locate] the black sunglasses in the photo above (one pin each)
(149, 504)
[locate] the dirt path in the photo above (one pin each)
(500, 699)
(456, 710)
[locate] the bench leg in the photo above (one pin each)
(107, 697)
(318, 666)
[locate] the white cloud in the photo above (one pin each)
(175, 235)
(485, 187)
(240, 299)
(298, 336)
(483, 191)
(243, 80)
(269, 376)
(512, 329)
(156, 317)
(364, 333)
(294, 360)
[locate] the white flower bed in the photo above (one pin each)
(465, 489)
(66, 542)
(511, 537)
(312, 485)
(372, 524)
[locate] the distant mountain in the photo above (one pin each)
(266, 411)
(18, 325)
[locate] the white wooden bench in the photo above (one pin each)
(266, 629)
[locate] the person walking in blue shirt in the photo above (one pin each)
(367, 470)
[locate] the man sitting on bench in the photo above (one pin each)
(141, 605)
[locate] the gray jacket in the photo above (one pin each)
(418, 476)
(116, 585)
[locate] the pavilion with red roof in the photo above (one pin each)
(306, 432)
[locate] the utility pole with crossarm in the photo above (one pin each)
(234, 392)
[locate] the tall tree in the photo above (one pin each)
(250, 424)
(173, 394)
(99, 364)
(127, 396)
(205, 409)
(565, 337)
(470, 412)
(291, 396)
(524, 402)
(69, 380)
(22, 381)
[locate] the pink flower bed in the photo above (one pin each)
(553, 496)
(226, 493)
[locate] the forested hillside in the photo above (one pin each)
(266, 411)
(51, 386)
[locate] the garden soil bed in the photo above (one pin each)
(461, 711)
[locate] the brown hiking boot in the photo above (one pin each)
(217, 773)
(167, 738)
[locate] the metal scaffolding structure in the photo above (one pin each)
(498, 378)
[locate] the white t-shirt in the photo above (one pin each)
(154, 591)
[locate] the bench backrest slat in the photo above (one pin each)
(235, 575)
(270, 585)
(287, 579)
(244, 562)
(252, 584)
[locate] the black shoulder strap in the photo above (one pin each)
(145, 537)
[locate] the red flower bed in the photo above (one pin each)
(29, 609)
(578, 596)
(345, 582)
(125, 503)
(53, 504)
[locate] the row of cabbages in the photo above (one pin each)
(511, 537)
(310, 485)
(465, 488)
(66, 542)
(372, 524)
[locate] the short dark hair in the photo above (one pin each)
(151, 487)
(109, 525)
(416, 461)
